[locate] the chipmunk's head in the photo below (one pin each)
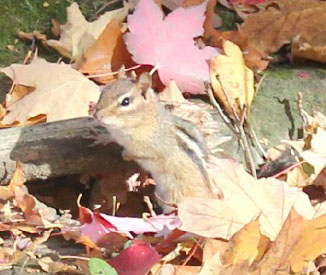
(125, 103)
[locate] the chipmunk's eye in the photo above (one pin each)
(125, 101)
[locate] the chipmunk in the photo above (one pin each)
(172, 149)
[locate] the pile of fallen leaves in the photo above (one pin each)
(260, 226)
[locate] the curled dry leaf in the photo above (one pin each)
(232, 80)
(302, 49)
(245, 198)
(266, 32)
(107, 55)
(60, 92)
(77, 35)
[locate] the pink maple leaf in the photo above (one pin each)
(168, 44)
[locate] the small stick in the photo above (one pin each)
(260, 147)
(226, 120)
(112, 73)
(239, 127)
(109, 3)
(302, 112)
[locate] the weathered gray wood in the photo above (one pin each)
(56, 149)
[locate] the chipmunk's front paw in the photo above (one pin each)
(100, 138)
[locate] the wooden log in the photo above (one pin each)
(56, 149)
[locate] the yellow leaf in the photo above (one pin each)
(232, 80)
(246, 244)
(310, 245)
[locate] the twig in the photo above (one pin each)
(226, 120)
(248, 152)
(23, 265)
(153, 70)
(259, 83)
(288, 169)
(112, 73)
(251, 130)
(260, 147)
(74, 257)
(114, 205)
(237, 128)
(302, 113)
(109, 3)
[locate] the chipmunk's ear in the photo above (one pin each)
(122, 73)
(144, 83)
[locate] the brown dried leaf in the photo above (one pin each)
(275, 260)
(310, 244)
(313, 50)
(267, 31)
(77, 35)
(18, 92)
(212, 259)
(108, 54)
(54, 267)
(67, 95)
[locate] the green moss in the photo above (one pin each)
(30, 15)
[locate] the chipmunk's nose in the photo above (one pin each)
(98, 116)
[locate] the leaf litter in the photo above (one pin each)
(260, 226)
